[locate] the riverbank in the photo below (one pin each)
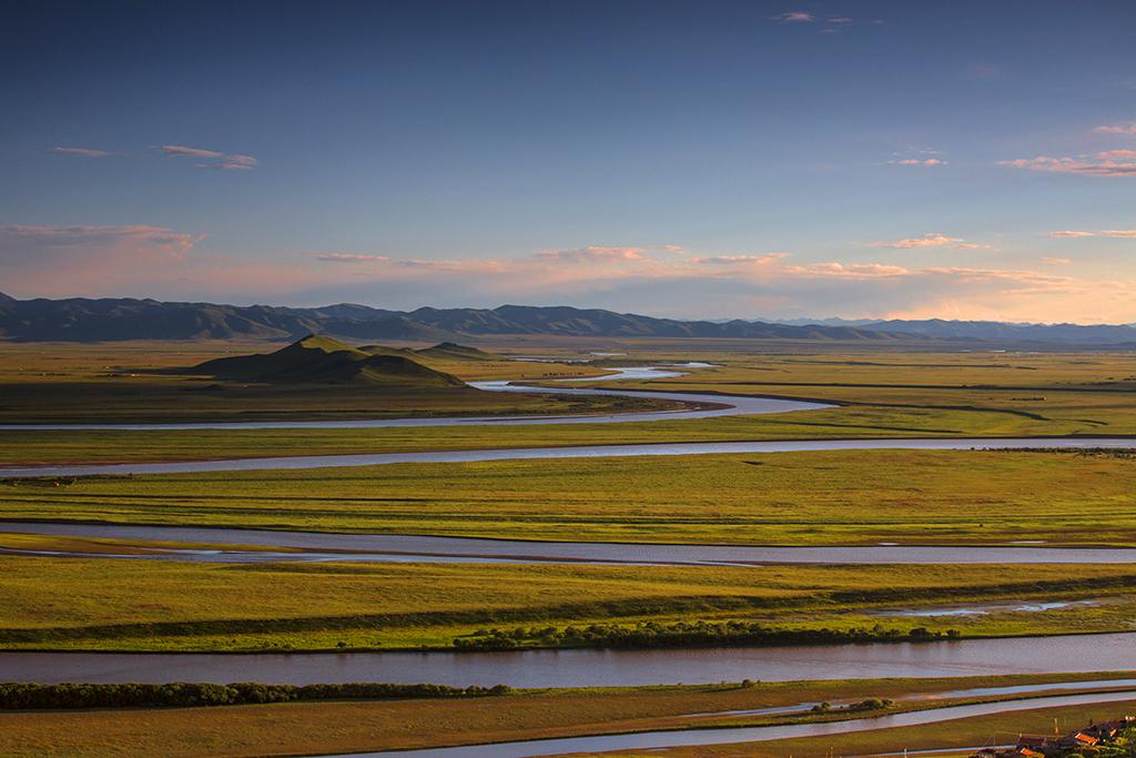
(360, 725)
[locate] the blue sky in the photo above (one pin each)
(963, 159)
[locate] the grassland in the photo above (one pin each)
(305, 728)
(147, 382)
(130, 605)
(815, 498)
(888, 395)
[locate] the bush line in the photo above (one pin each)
(26, 696)
(684, 634)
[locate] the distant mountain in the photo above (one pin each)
(80, 319)
(322, 360)
(1002, 332)
(85, 320)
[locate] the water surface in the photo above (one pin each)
(592, 668)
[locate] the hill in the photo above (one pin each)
(323, 360)
(455, 352)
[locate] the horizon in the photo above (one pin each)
(802, 320)
(970, 162)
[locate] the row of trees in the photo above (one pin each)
(24, 696)
(685, 634)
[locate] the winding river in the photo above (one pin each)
(704, 406)
(580, 668)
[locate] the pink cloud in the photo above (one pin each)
(918, 162)
(351, 258)
(215, 159)
(1077, 234)
(68, 260)
(933, 239)
(1128, 128)
(1056, 261)
(595, 253)
(731, 260)
(190, 152)
(82, 152)
(1107, 163)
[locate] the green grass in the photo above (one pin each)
(145, 382)
(102, 604)
(889, 395)
(815, 498)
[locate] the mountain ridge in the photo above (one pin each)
(111, 319)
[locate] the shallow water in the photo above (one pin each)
(987, 608)
(404, 547)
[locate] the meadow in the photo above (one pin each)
(305, 728)
(811, 498)
(129, 605)
(878, 395)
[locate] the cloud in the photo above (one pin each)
(1056, 261)
(1128, 128)
(838, 20)
(351, 258)
(933, 239)
(215, 159)
(918, 162)
(594, 254)
(1077, 234)
(731, 260)
(190, 152)
(794, 17)
(1107, 163)
(83, 152)
(156, 262)
(70, 260)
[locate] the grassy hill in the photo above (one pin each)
(324, 360)
(455, 352)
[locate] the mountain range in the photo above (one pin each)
(89, 320)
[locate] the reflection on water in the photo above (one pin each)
(585, 668)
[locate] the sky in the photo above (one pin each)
(713, 159)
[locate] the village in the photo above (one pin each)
(1109, 738)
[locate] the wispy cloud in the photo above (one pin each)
(1049, 260)
(595, 253)
(1107, 163)
(918, 162)
(351, 258)
(1128, 128)
(932, 239)
(82, 152)
(734, 260)
(215, 159)
(794, 17)
(1077, 233)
